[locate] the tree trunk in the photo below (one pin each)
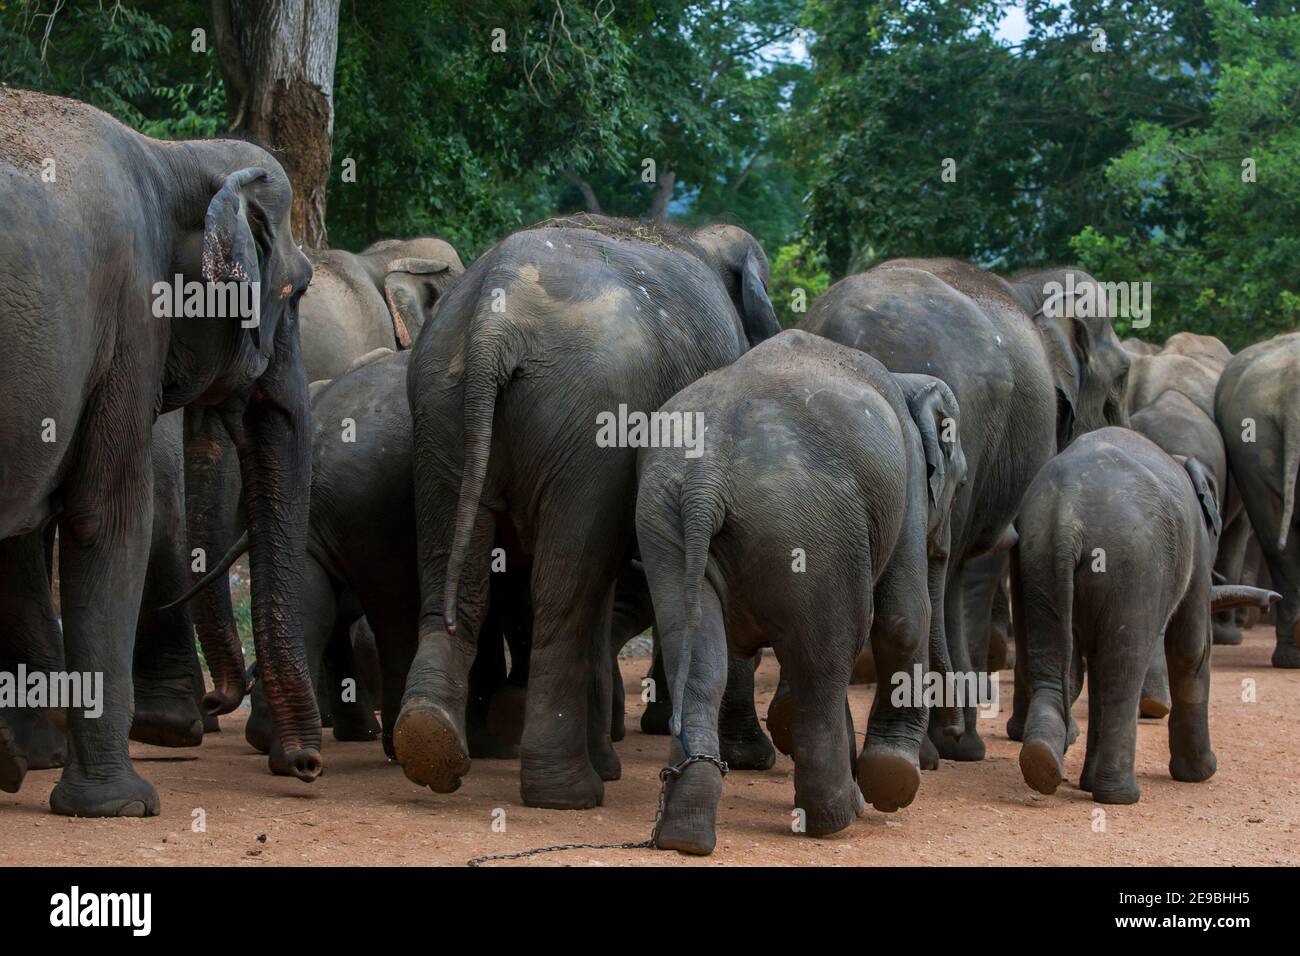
(663, 193)
(277, 60)
(588, 194)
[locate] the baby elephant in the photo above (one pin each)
(804, 523)
(1117, 543)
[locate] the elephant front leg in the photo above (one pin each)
(744, 745)
(31, 738)
(600, 697)
(167, 712)
(969, 746)
(103, 551)
(1187, 648)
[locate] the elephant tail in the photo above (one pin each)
(1067, 559)
(217, 570)
(702, 515)
(1290, 462)
(487, 369)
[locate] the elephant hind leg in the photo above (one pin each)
(1114, 686)
(1187, 647)
(744, 745)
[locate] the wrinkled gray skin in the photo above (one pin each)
(1026, 380)
(79, 259)
(357, 306)
(816, 449)
(1191, 364)
(1262, 384)
(1156, 520)
(551, 327)
(361, 560)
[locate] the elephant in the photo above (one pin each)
(1136, 346)
(361, 560)
(814, 452)
(515, 392)
(377, 298)
(357, 307)
(92, 267)
(1153, 375)
(1117, 542)
(1026, 365)
(1259, 418)
(1206, 349)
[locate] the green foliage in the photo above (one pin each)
(1222, 253)
(797, 266)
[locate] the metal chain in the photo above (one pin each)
(666, 774)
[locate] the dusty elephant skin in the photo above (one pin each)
(828, 482)
(1117, 541)
(1257, 407)
(546, 331)
(79, 260)
(1020, 365)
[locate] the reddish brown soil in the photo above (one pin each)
(364, 811)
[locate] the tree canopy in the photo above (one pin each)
(1150, 140)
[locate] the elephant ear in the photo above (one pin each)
(932, 404)
(1066, 340)
(230, 251)
(412, 287)
(1207, 493)
(758, 316)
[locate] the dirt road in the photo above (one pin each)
(364, 811)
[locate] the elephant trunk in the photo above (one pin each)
(211, 495)
(275, 462)
(1224, 597)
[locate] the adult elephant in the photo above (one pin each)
(1257, 407)
(357, 306)
(1028, 372)
(95, 223)
(548, 333)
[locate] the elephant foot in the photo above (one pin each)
(617, 724)
(1193, 769)
(655, 718)
(750, 751)
(1153, 707)
(30, 739)
(1041, 766)
(969, 747)
(579, 789)
(353, 722)
(1016, 726)
(929, 758)
(123, 794)
(166, 721)
(824, 817)
(888, 779)
(1227, 633)
(259, 731)
(1122, 796)
(505, 717)
(429, 747)
(604, 759)
(211, 725)
(1287, 655)
(691, 810)
(13, 762)
(780, 720)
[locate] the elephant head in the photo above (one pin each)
(412, 287)
(244, 377)
(744, 268)
(937, 416)
(1072, 312)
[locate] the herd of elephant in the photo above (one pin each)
(407, 450)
